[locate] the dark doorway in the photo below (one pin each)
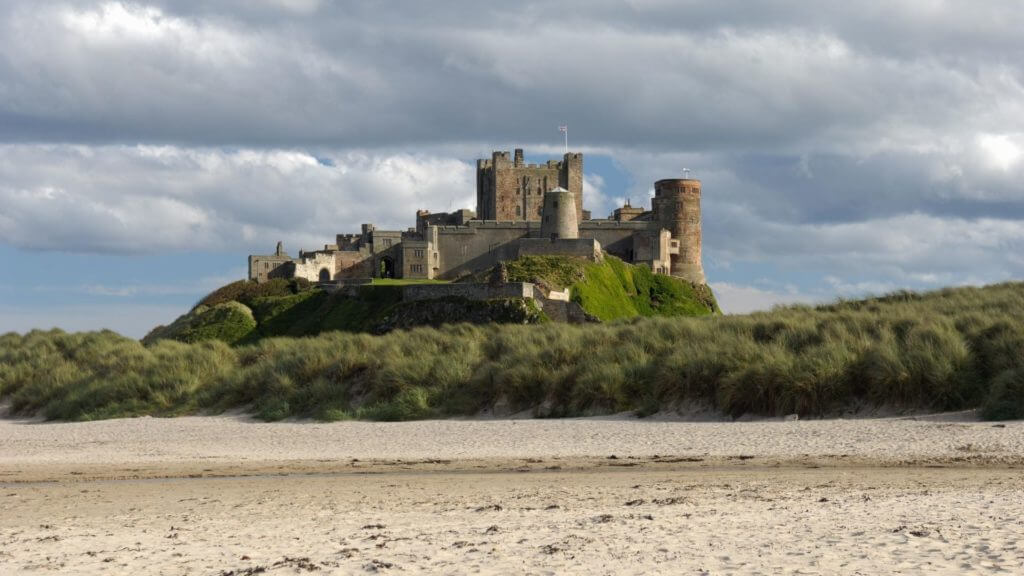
(325, 275)
(387, 267)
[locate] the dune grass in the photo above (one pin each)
(947, 350)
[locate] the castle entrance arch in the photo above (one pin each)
(387, 267)
(325, 275)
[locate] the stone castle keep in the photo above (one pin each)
(521, 209)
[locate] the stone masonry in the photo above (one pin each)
(513, 190)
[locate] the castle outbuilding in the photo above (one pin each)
(521, 209)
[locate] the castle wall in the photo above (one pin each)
(353, 264)
(266, 267)
(416, 259)
(384, 240)
(579, 247)
(616, 238)
(655, 249)
(467, 249)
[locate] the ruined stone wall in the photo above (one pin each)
(316, 267)
(457, 218)
(348, 241)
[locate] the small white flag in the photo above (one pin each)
(563, 128)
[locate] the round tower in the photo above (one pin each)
(677, 208)
(558, 219)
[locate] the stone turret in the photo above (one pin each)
(677, 209)
(559, 218)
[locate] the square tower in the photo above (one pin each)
(509, 189)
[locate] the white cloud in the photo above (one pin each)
(1002, 151)
(145, 198)
(594, 196)
(742, 299)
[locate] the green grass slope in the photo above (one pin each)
(947, 350)
(612, 289)
(244, 312)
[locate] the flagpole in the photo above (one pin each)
(565, 130)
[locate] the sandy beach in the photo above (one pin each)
(227, 495)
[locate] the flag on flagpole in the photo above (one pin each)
(563, 128)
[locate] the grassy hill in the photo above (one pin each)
(244, 312)
(613, 289)
(947, 350)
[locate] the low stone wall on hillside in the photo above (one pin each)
(467, 291)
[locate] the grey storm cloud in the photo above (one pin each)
(688, 76)
(878, 139)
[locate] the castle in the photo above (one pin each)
(521, 209)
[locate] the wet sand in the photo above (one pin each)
(223, 495)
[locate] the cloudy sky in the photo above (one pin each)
(846, 148)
